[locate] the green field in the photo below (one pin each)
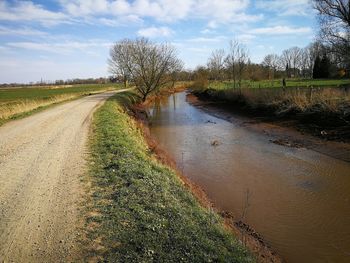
(16, 94)
(277, 83)
(19, 102)
(142, 212)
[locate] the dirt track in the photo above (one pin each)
(41, 161)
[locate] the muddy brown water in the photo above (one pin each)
(299, 199)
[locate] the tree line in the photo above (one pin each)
(151, 66)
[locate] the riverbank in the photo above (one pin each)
(324, 113)
(292, 191)
(141, 210)
(282, 131)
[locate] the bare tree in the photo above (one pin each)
(231, 60)
(334, 18)
(286, 59)
(306, 63)
(236, 60)
(296, 60)
(149, 66)
(243, 57)
(119, 57)
(316, 49)
(292, 58)
(271, 61)
(216, 64)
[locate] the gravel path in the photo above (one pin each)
(41, 161)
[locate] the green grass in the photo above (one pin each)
(20, 102)
(142, 211)
(277, 83)
(16, 94)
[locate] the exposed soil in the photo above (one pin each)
(282, 131)
(41, 166)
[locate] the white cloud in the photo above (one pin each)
(28, 11)
(159, 9)
(207, 31)
(153, 32)
(60, 48)
(207, 39)
(25, 31)
(215, 12)
(109, 22)
(202, 50)
(281, 30)
(245, 38)
(120, 21)
(218, 11)
(286, 7)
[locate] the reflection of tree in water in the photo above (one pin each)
(164, 102)
(157, 108)
(174, 101)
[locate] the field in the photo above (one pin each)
(277, 83)
(141, 211)
(18, 102)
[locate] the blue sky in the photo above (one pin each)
(62, 39)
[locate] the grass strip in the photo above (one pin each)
(142, 212)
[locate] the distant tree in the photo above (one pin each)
(254, 71)
(231, 60)
(295, 60)
(324, 67)
(306, 62)
(216, 64)
(113, 79)
(286, 59)
(287, 70)
(236, 60)
(316, 69)
(149, 66)
(271, 61)
(200, 78)
(243, 58)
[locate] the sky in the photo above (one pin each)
(64, 39)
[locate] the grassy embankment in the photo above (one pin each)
(323, 104)
(142, 212)
(19, 102)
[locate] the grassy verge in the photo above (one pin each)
(17, 103)
(142, 212)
